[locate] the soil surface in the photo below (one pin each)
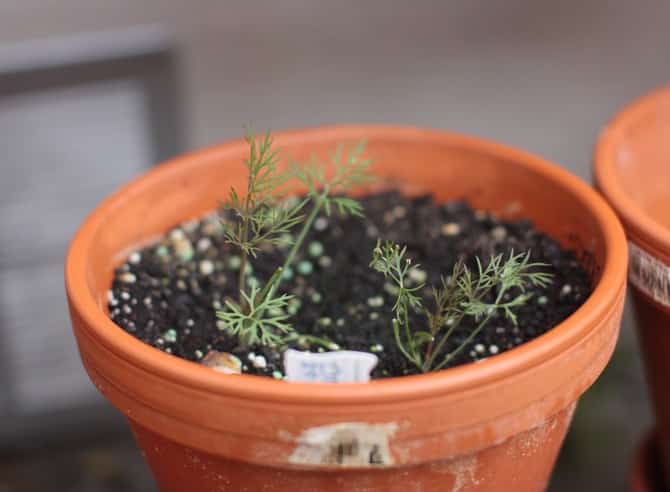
(167, 294)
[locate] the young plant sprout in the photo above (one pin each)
(262, 217)
(459, 295)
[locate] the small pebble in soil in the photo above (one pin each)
(287, 273)
(321, 224)
(128, 278)
(177, 234)
(499, 233)
(376, 348)
(305, 267)
(493, 349)
(376, 301)
(183, 249)
(315, 249)
(190, 226)
(450, 229)
(325, 261)
(259, 362)
(316, 297)
(203, 244)
(162, 251)
(223, 362)
(399, 211)
(170, 336)
(417, 275)
(135, 258)
(234, 262)
(206, 267)
(113, 301)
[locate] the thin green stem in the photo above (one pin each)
(272, 285)
(472, 335)
(396, 333)
(242, 279)
(430, 356)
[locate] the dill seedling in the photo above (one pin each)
(260, 217)
(259, 316)
(459, 295)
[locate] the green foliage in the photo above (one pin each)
(259, 218)
(264, 322)
(350, 169)
(462, 294)
(262, 218)
(389, 259)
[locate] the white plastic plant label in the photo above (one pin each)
(344, 366)
(649, 274)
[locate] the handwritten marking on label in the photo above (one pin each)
(344, 366)
(347, 444)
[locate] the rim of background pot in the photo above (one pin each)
(641, 227)
(406, 388)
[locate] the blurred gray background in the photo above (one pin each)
(92, 93)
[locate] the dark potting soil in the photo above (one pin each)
(167, 294)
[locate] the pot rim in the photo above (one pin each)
(645, 230)
(598, 306)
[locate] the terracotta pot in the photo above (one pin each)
(646, 473)
(632, 169)
(494, 425)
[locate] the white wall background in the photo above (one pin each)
(541, 75)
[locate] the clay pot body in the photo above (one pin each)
(646, 470)
(632, 169)
(496, 425)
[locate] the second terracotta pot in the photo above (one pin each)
(646, 473)
(632, 169)
(496, 425)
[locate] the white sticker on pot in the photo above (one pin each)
(344, 366)
(649, 274)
